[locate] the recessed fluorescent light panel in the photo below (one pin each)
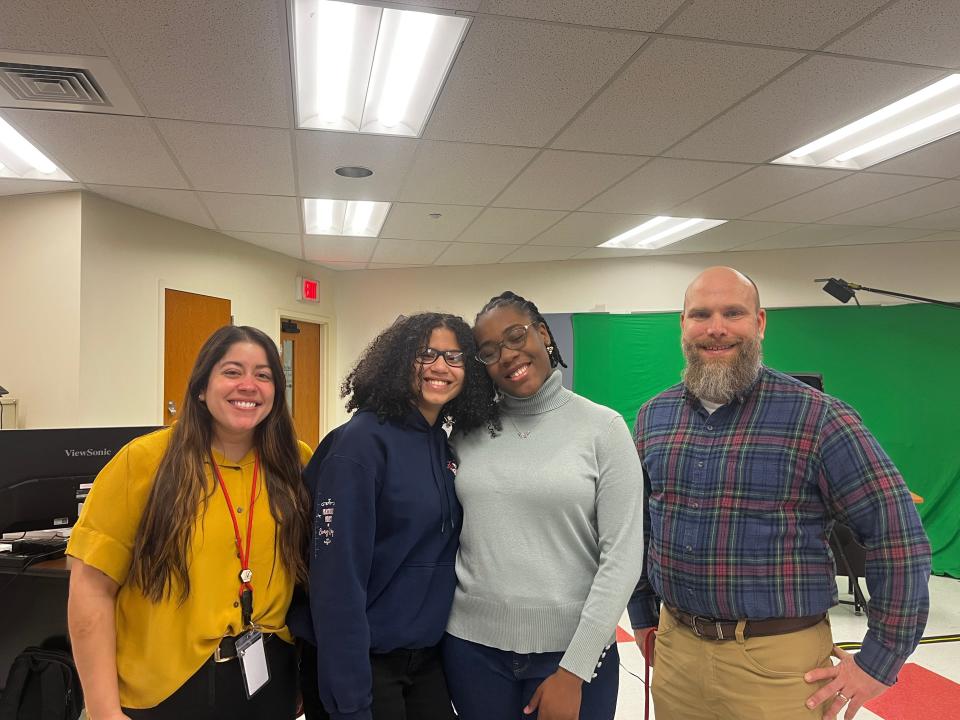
(926, 115)
(20, 159)
(361, 68)
(356, 218)
(660, 231)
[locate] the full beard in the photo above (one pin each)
(720, 381)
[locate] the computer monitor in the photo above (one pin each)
(44, 474)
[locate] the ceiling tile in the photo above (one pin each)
(473, 254)
(232, 158)
(469, 5)
(177, 204)
(216, 61)
(786, 23)
(943, 220)
(394, 266)
(661, 184)
(253, 213)
(342, 265)
(941, 237)
(812, 99)
(879, 236)
(11, 186)
(285, 244)
(917, 31)
(846, 194)
(647, 109)
(924, 201)
(802, 236)
(518, 82)
(726, 237)
(412, 221)
(940, 159)
(461, 174)
(320, 153)
(102, 149)
(509, 225)
(647, 15)
(407, 252)
(326, 248)
(540, 253)
(53, 26)
(583, 229)
(598, 253)
(753, 190)
(559, 180)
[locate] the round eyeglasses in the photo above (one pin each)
(428, 356)
(514, 337)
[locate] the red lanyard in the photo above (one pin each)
(246, 574)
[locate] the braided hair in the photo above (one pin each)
(509, 298)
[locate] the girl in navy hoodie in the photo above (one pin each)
(386, 524)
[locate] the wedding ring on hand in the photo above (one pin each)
(843, 698)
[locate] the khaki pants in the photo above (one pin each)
(753, 679)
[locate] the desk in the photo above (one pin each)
(34, 607)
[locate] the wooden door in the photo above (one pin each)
(301, 348)
(189, 319)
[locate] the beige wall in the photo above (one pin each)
(128, 258)
(40, 306)
(369, 300)
(81, 330)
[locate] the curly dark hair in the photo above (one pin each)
(379, 382)
(508, 298)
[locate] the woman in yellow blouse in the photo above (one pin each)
(188, 548)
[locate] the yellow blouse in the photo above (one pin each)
(160, 645)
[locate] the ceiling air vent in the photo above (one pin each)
(50, 84)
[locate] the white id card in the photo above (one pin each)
(253, 661)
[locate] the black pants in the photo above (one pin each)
(216, 692)
(407, 685)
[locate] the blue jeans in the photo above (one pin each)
(490, 684)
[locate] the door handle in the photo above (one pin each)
(171, 407)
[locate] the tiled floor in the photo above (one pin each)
(931, 690)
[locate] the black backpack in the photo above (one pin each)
(42, 685)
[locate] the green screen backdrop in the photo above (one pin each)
(898, 366)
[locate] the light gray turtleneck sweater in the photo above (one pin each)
(552, 540)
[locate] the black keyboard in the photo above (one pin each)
(27, 552)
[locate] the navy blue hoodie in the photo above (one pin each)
(386, 526)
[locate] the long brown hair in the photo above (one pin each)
(181, 487)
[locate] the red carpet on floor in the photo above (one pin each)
(918, 694)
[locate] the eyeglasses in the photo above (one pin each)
(428, 356)
(514, 337)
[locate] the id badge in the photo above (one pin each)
(253, 661)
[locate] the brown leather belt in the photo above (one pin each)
(713, 629)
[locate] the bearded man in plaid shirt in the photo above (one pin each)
(745, 470)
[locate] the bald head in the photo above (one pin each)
(723, 282)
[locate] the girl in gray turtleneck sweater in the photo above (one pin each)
(552, 540)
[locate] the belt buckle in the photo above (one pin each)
(718, 629)
(218, 658)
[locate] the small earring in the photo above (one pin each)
(550, 350)
(201, 398)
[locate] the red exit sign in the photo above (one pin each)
(308, 290)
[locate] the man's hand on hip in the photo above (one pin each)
(848, 685)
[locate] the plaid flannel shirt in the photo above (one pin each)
(738, 505)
